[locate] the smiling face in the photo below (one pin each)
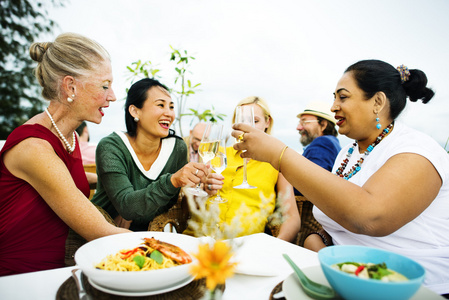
(157, 113)
(309, 128)
(94, 93)
(355, 114)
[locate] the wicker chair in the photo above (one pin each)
(176, 217)
(91, 168)
(308, 222)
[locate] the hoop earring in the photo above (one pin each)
(378, 125)
(136, 119)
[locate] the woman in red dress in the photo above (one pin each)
(43, 186)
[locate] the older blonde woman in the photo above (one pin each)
(271, 185)
(43, 185)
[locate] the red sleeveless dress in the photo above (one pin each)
(32, 236)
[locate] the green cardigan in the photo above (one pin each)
(125, 188)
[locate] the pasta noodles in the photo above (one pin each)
(137, 259)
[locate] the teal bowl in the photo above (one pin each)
(351, 287)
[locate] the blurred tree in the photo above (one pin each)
(22, 21)
(208, 115)
(183, 87)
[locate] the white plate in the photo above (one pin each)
(134, 282)
(292, 288)
(139, 294)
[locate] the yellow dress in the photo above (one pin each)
(253, 206)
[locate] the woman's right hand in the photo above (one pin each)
(190, 175)
(258, 145)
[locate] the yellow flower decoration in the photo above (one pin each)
(214, 264)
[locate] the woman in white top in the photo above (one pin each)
(391, 190)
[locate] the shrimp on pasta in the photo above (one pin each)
(144, 258)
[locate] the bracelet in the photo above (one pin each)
(322, 236)
(280, 158)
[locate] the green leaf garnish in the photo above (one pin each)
(157, 256)
(139, 260)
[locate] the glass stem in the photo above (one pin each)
(244, 170)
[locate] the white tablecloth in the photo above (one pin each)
(256, 250)
(257, 253)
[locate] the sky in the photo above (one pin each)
(289, 52)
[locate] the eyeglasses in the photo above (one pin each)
(304, 122)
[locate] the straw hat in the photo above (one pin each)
(319, 109)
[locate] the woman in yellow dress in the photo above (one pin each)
(253, 206)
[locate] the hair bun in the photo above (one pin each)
(416, 88)
(37, 50)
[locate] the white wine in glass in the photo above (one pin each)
(207, 150)
(219, 164)
(245, 114)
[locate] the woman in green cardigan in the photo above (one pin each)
(141, 172)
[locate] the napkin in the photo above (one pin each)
(252, 261)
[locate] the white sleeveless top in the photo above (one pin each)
(424, 239)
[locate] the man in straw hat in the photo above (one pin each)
(318, 135)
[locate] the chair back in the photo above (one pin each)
(173, 220)
(308, 222)
(91, 168)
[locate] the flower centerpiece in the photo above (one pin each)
(214, 264)
(215, 254)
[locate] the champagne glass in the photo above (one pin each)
(245, 114)
(207, 150)
(218, 164)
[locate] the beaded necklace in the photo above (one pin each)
(69, 148)
(359, 163)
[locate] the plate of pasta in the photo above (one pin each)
(139, 262)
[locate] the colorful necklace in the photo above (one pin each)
(359, 163)
(69, 148)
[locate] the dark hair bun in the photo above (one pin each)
(416, 87)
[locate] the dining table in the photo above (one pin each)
(261, 268)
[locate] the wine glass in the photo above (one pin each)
(245, 114)
(218, 164)
(207, 150)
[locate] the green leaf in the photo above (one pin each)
(139, 260)
(157, 257)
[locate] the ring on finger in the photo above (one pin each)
(209, 186)
(196, 172)
(240, 137)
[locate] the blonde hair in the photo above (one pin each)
(263, 104)
(70, 54)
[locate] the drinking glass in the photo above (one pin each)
(245, 114)
(207, 150)
(218, 164)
